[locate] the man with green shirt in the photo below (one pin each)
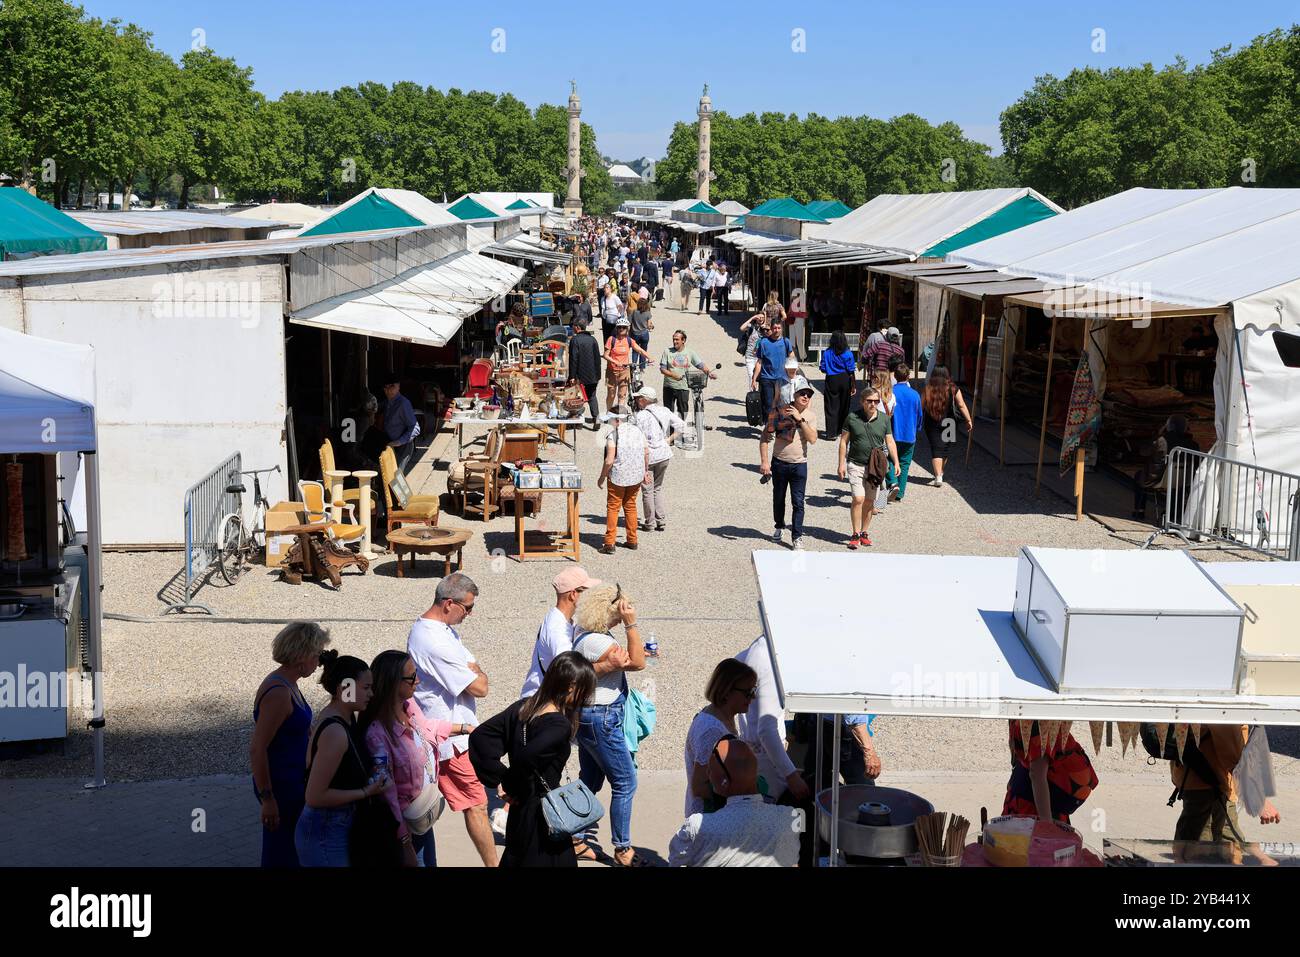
(674, 364)
(868, 434)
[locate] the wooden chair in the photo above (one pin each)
(479, 473)
(327, 465)
(318, 510)
(420, 509)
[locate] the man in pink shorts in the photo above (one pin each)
(449, 682)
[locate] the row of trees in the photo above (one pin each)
(1233, 122)
(87, 103)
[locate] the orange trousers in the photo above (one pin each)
(621, 497)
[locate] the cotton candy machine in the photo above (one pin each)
(876, 824)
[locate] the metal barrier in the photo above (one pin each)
(206, 503)
(1242, 505)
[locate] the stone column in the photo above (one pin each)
(702, 172)
(573, 201)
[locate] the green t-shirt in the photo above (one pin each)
(864, 436)
(678, 362)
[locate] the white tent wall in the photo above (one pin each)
(179, 385)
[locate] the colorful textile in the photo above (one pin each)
(1083, 420)
(1070, 777)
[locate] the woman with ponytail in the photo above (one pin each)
(338, 767)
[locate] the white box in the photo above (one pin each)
(1127, 622)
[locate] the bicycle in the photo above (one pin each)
(696, 381)
(236, 542)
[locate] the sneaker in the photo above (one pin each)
(661, 527)
(630, 545)
(607, 549)
(853, 541)
(797, 544)
(778, 536)
(938, 483)
(893, 493)
(644, 526)
(866, 539)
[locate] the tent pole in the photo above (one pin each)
(817, 782)
(836, 722)
(1002, 388)
(95, 627)
(1047, 392)
(975, 396)
(1078, 453)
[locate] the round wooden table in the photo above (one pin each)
(424, 540)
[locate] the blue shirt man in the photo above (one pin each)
(399, 423)
(907, 421)
(769, 371)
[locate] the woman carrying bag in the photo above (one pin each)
(537, 734)
(396, 729)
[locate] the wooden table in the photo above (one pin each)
(423, 540)
(557, 545)
(315, 556)
(578, 422)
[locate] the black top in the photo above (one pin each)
(581, 310)
(351, 773)
(542, 758)
(584, 358)
(651, 273)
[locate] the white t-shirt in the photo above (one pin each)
(592, 646)
(442, 666)
(704, 734)
(655, 422)
(554, 638)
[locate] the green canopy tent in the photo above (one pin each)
(369, 212)
(828, 208)
(467, 207)
(30, 227)
(1026, 210)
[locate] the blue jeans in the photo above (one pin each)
(770, 389)
(795, 478)
(704, 299)
(603, 754)
(425, 852)
(322, 836)
(643, 340)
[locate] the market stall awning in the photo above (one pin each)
(425, 305)
(46, 395)
(29, 226)
(968, 660)
(526, 247)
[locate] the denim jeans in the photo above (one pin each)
(771, 391)
(322, 836)
(643, 340)
(795, 478)
(705, 296)
(603, 754)
(425, 852)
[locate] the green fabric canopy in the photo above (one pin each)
(1022, 212)
(785, 207)
(828, 208)
(702, 207)
(28, 225)
(370, 212)
(469, 208)
(519, 204)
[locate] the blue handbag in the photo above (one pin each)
(569, 809)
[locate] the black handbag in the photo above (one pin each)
(372, 839)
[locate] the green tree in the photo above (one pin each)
(217, 108)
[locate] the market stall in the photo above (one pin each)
(1102, 655)
(47, 421)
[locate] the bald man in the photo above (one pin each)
(746, 831)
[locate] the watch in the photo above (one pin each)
(263, 795)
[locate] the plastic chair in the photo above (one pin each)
(318, 510)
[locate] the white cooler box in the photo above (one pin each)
(1128, 622)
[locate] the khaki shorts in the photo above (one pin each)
(617, 376)
(857, 479)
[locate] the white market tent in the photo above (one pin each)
(47, 395)
(1234, 252)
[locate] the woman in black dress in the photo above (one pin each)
(942, 402)
(537, 733)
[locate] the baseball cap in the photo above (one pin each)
(794, 387)
(646, 392)
(571, 578)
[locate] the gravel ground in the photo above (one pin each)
(180, 689)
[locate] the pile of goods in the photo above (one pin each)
(942, 838)
(1015, 841)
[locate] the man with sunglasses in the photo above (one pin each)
(868, 433)
(450, 682)
(744, 832)
(556, 634)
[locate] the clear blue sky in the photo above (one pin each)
(640, 66)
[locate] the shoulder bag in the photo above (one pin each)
(569, 809)
(427, 806)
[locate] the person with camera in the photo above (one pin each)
(783, 455)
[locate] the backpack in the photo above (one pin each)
(1191, 758)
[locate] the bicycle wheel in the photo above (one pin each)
(230, 548)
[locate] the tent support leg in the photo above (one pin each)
(817, 783)
(836, 722)
(975, 396)
(1047, 393)
(95, 560)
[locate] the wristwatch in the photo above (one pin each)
(263, 795)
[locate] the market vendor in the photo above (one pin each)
(1049, 780)
(399, 421)
(514, 325)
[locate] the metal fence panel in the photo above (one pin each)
(206, 503)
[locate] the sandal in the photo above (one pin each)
(584, 851)
(636, 861)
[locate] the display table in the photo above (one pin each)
(578, 421)
(544, 544)
(422, 540)
(364, 477)
(314, 555)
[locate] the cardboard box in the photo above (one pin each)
(282, 515)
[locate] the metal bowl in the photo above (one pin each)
(895, 839)
(425, 534)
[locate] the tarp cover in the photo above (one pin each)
(47, 392)
(30, 226)
(371, 211)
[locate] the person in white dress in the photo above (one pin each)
(732, 686)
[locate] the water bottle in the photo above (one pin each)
(652, 646)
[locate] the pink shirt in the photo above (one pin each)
(407, 755)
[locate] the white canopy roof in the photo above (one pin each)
(911, 224)
(286, 214)
(425, 305)
(1202, 247)
(47, 394)
(731, 208)
(621, 171)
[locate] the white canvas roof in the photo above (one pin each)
(148, 221)
(731, 207)
(286, 214)
(504, 199)
(47, 393)
(425, 305)
(620, 171)
(911, 224)
(1201, 247)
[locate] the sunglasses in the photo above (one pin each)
(618, 594)
(750, 693)
(410, 679)
(469, 609)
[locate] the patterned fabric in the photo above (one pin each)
(1083, 421)
(1070, 777)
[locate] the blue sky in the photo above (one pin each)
(640, 66)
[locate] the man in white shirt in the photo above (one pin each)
(627, 458)
(707, 278)
(449, 681)
(661, 427)
(746, 831)
(556, 634)
(762, 727)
